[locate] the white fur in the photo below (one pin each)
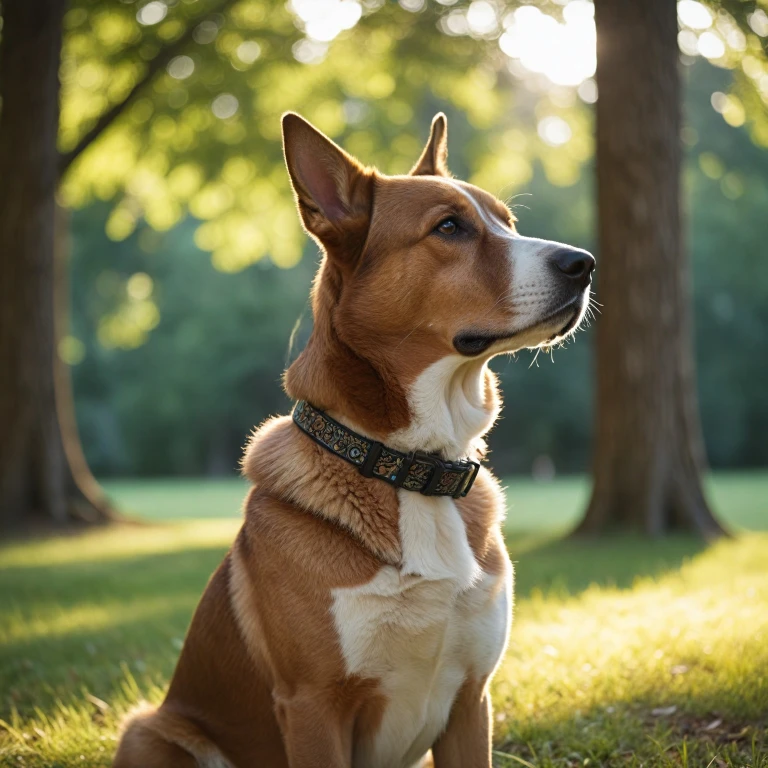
(449, 409)
(421, 630)
(493, 223)
(532, 290)
(434, 540)
(214, 761)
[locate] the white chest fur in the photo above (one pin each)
(421, 630)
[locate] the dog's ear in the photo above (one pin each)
(434, 158)
(333, 191)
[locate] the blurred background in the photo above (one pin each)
(189, 272)
(181, 279)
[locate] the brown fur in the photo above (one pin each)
(251, 677)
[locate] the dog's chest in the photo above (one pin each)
(421, 630)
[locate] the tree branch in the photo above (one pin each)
(157, 64)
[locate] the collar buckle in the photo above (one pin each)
(465, 487)
(440, 466)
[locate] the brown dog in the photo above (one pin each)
(365, 604)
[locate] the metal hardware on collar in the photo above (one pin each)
(471, 481)
(424, 473)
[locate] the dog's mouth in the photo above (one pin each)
(566, 318)
(575, 317)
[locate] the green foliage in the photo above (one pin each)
(744, 26)
(604, 634)
(174, 370)
(202, 135)
(196, 89)
(727, 231)
(184, 401)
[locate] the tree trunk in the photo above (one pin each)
(37, 480)
(649, 452)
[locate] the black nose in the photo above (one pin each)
(574, 263)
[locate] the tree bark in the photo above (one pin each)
(39, 482)
(649, 451)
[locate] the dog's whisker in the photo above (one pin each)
(519, 194)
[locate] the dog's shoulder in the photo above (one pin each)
(288, 467)
(281, 536)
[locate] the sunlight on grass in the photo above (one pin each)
(101, 544)
(623, 652)
(21, 627)
(692, 643)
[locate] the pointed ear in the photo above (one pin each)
(333, 191)
(434, 158)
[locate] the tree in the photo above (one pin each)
(34, 471)
(173, 108)
(43, 475)
(649, 450)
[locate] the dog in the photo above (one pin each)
(361, 612)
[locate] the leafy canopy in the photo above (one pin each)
(172, 107)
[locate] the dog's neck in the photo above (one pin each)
(453, 403)
(445, 409)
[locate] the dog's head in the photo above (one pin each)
(422, 267)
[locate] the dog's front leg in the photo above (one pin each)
(314, 735)
(466, 740)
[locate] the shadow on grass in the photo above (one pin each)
(78, 626)
(567, 566)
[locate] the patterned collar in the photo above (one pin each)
(416, 471)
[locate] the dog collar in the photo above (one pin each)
(416, 471)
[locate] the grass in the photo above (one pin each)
(623, 652)
(538, 506)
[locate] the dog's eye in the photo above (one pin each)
(447, 227)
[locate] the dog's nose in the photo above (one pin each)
(574, 263)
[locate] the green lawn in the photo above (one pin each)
(623, 652)
(534, 506)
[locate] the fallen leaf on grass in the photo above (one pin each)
(714, 724)
(664, 711)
